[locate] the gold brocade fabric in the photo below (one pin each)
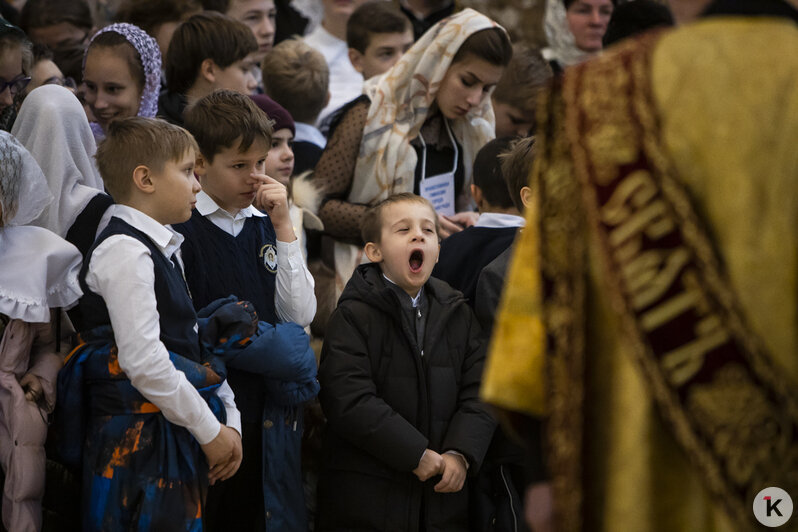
(725, 100)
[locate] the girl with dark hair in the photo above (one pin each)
(417, 128)
(121, 75)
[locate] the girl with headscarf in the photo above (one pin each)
(53, 128)
(38, 273)
(417, 128)
(121, 75)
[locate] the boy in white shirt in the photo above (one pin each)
(142, 465)
(233, 248)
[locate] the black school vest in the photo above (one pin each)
(176, 315)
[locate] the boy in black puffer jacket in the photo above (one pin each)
(400, 374)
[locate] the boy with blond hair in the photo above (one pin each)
(233, 248)
(400, 372)
(149, 423)
(297, 77)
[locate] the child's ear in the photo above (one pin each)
(200, 168)
(356, 58)
(526, 196)
(208, 70)
(373, 252)
(476, 193)
(142, 179)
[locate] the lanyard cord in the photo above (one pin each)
(424, 151)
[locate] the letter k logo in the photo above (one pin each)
(772, 506)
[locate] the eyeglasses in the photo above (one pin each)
(16, 85)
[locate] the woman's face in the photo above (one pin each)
(465, 85)
(110, 89)
(588, 20)
(10, 70)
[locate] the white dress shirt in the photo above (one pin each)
(499, 220)
(294, 298)
(346, 83)
(121, 271)
(309, 133)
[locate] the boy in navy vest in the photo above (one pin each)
(147, 384)
(233, 248)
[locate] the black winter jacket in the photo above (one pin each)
(385, 404)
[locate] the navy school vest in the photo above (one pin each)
(176, 315)
(219, 264)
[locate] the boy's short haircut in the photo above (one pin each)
(376, 16)
(138, 141)
(296, 76)
(516, 167)
(43, 13)
(371, 226)
(221, 118)
(523, 80)
(41, 53)
(488, 173)
(216, 5)
(204, 36)
(150, 14)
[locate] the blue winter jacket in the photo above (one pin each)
(281, 354)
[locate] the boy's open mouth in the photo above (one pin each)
(416, 260)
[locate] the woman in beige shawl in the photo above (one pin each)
(421, 123)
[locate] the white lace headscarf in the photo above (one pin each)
(38, 269)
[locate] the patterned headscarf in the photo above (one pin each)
(150, 55)
(400, 103)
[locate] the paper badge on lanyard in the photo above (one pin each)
(438, 189)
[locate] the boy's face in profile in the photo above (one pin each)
(233, 178)
(239, 77)
(383, 51)
(512, 121)
(409, 247)
(176, 189)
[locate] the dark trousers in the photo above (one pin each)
(237, 503)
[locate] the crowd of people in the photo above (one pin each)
(376, 265)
